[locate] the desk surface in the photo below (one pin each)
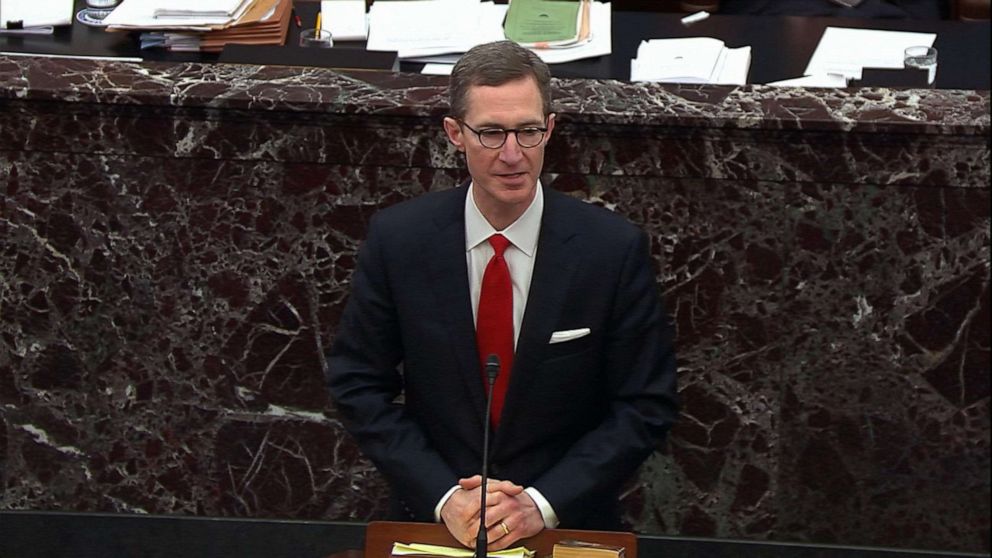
(781, 46)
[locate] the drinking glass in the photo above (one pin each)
(316, 38)
(923, 58)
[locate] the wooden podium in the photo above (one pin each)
(380, 536)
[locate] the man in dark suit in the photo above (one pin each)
(886, 9)
(562, 291)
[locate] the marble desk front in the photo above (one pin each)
(177, 240)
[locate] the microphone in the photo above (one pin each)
(482, 540)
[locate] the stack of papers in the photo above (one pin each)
(34, 16)
(201, 8)
(269, 29)
(417, 28)
(690, 60)
(261, 22)
(848, 51)
(842, 54)
(439, 31)
(149, 14)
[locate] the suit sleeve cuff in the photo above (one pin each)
(442, 502)
(547, 512)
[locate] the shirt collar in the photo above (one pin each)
(522, 233)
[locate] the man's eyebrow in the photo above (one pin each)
(525, 124)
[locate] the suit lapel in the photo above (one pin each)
(558, 256)
(449, 276)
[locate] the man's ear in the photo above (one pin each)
(454, 132)
(551, 127)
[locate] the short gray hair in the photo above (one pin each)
(493, 64)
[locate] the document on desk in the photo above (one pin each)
(141, 14)
(34, 16)
(436, 69)
(441, 30)
(600, 41)
(846, 51)
(421, 549)
(200, 8)
(824, 80)
(345, 19)
(690, 60)
(415, 28)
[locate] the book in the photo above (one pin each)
(690, 60)
(582, 549)
(547, 23)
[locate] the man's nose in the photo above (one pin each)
(510, 152)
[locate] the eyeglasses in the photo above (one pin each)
(494, 138)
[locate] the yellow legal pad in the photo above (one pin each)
(417, 549)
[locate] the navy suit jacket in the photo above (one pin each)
(887, 9)
(579, 416)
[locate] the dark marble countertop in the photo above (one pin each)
(605, 102)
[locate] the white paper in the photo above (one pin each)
(847, 51)
(429, 27)
(734, 67)
(449, 59)
(43, 30)
(345, 19)
(35, 13)
(822, 80)
(689, 60)
(197, 8)
(73, 56)
(434, 69)
(140, 14)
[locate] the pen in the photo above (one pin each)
(316, 32)
(696, 17)
(296, 16)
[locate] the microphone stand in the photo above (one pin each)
(482, 540)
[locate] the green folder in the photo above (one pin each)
(542, 21)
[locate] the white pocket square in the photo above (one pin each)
(568, 335)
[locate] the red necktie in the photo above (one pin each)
(494, 325)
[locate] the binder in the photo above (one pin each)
(548, 23)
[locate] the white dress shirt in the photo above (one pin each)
(519, 255)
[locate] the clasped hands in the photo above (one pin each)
(511, 514)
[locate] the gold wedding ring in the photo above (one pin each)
(506, 530)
